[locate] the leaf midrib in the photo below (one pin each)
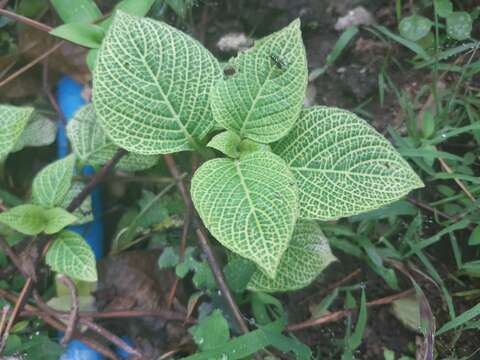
(174, 113)
(247, 194)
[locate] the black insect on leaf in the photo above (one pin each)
(278, 61)
(229, 71)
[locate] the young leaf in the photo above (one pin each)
(211, 332)
(132, 7)
(342, 165)
(308, 254)
(51, 184)
(85, 11)
(238, 273)
(415, 27)
(92, 146)
(226, 142)
(27, 219)
(71, 255)
(40, 131)
(443, 7)
(169, 258)
(57, 219)
(13, 120)
(264, 97)
(459, 25)
(474, 238)
(249, 205)
(151, 86)
(87, 35)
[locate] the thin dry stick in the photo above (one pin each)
(22, 299)
(72, 320)
(335, 285)
(114, 339)
(207, 250)
(3, 319)
(337, 315)
(163, 314)
(32, 63)
(13, 257)
(48, 92)
(26, 21)
(458, 181)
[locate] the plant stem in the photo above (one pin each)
(26, 21)
(207, 250)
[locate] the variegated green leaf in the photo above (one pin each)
(27, 219)
(57, 219)
(40, 131)
(308, 254)
(151, 86)
(342, 165)
(51, 184)
(91, 145)
(13, 120)
(262, 99)
(249, 205)
(71, 255)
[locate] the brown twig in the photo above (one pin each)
(335, 285)
(22, 299)
(337, 315)
(32, 63)
(3, 319)
(72, 320)
(26, 21)
(109, 165)
(13, 257)
(48, 92)
(163, 314)
(207, 250)
(458, 181)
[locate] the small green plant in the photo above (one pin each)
(157, 91)
(458, 24)
(283, 168)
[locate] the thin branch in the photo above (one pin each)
(72, 320)
(95, 180)
(163, 314)
(3, 319)
(114, 339)
(337, 315)
(22, 299)
(13, 257)
(26, 21)
(32, 63)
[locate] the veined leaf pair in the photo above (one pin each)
(158, 91)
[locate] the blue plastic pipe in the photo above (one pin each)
(69, 98)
